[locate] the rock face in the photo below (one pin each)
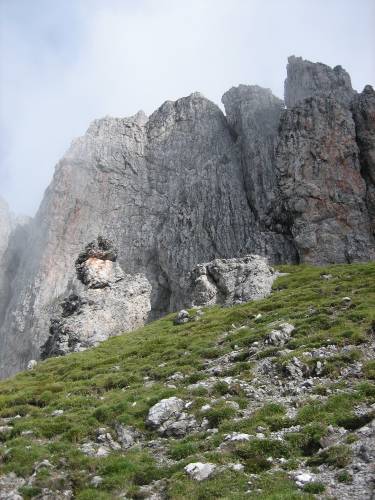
(254, 113)
(14, 233)
(110, 302)
(364, 117)
(307, 79)
(189, 185)
(231, 281)
(322, 191)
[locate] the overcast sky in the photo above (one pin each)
(64, 63)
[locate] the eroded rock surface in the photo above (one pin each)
(110, 302)
(231, 281)
(322, 191)
(168, 418)
(308, 79)
(364, 117)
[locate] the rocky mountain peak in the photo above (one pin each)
(187, 186)
(308, 79)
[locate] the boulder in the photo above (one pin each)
(200, 471)
(231, 281)
(127, 436)
(168, 418)
(182, 317)
(280, 335)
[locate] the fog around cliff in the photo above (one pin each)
(64, 63)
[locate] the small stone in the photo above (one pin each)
(31, 364)
(102, 452)
(127, 436)
(200, 471)
(236, 467)
(4, 429)
(182, 317)
(57, 413)
(303, 478)
(280, 335)
(176, 377)
(96, 481)
(237, 436)
(346, 300)
(43, 464)
(27, 433)
(206, 407)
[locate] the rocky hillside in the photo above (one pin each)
(272, 399)
(292, 181)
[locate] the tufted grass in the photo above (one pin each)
(122, 378)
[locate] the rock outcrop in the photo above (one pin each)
(189, 185)
(322, 191)
(111, 302)
(306, 79)
(364, 118)
(231, 281)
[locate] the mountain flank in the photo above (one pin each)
(269, 399)
(291, 181)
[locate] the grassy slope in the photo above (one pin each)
(99, 387)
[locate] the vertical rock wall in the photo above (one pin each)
(188, 185)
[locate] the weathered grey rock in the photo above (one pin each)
(164, 410)
(322, 192)
(254, 113)
(237, 436)
(31, 364)
(280, 334)
(200, 471)
(105, 439)
(155, 490)
(296, 369)
(168, 191)
(363, 107)
(307, 79)
(13, 237)
(182, 317)
(110, 303)
(5, 227)
(96, 481)
(168, 418)
(5, 429)
(9, 485)
(231, 281)
(127, 436)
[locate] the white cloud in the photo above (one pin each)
(62, 68)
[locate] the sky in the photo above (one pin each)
(64, 63)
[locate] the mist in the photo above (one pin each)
(65, 63)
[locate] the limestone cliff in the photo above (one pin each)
(189, 184)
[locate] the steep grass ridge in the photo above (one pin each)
(306, 406)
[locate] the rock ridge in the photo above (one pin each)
(290, 181)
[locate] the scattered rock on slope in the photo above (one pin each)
(168, 418)
(231, 281)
